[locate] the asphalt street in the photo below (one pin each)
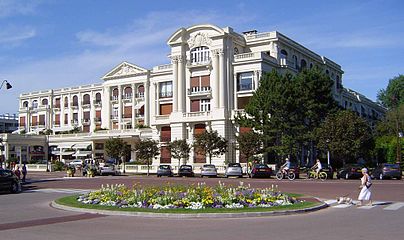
(27, 215)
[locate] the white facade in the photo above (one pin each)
(213, 73)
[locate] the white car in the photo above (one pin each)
(76, 163)
(108, 169)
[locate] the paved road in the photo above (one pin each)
(28, 215)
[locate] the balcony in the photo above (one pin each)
(196, 116)
(127, 116)
(114, 98)
(86, 121)
(127, 98)
(204, 63)
(85, 104)
(97, 103)
(285, 63)
(75, 122)
(199, 91)
(165, 94)
(139, 115)
(139, 95)
(74, 106)
(254, 57)
(97, 120)
(114, 118)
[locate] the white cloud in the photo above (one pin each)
(16, 34)
(16, 7)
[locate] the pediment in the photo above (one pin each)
(124, 69)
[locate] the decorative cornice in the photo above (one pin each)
(200, 39)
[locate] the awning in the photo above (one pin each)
(62, 129)
(77, 154)
(18, 131)
(138, 105)
(83, 145)
(64, 145)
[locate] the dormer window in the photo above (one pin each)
(200, 55)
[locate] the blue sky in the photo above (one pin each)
(48, 44)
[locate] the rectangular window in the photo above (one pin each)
(41, 119)
(195, 105)
(166, 89)
(57, 119)
(115, 112)
(127, 112)
(66, 119)
(34, 120)
(57, 103)
(205, 105)
(245, 81)
(22, 121)
(166, 109)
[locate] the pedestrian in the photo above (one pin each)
(24, 172)
(18, 173)
(365, 193)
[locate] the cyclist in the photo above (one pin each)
(317, 167)
(286, 166)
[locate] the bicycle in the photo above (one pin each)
(282, 174)
(313, 175)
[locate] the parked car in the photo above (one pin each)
(261, 170)
(9, 181)
(186, 171)
(76, 163)
(328, 169)
(387, 170)
(108, 169)
(165, 170)
(295, 169)
(234, 169)
(208, 170)
(350, 171)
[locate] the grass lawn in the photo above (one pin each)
(71, 201)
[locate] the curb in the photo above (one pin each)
(190, 215)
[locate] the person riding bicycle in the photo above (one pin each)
(286, 166)
(317, 167)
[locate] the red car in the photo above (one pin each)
(261, 170)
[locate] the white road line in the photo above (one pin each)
(342, 206)
(329, 202)
(394, 206)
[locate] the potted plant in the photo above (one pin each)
(71, 171)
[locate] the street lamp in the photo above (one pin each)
(8, 85)
(328, 152)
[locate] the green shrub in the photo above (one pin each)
(59, 166)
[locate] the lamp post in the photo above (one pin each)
(8, 85)
(328, 152)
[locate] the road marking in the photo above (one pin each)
(342, 206)
(329, 202)
(366, 207)
(58, 190)
(394, 206)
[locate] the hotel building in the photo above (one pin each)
(212, 73)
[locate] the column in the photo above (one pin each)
(175, 83)
(106, 108)
(223, 87)
(181, 83)
(62, 110)
(147, 103)
(215, 80)
(70, 115)
(92, 114)
(134, 92)
(235, 91)
(119, 107)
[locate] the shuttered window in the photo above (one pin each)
(165, 134)
(195, 104)
(57, 119)
(22, 121)
(166, 109)
(199, 157)
(41, 119)
(127, 112)
(165, 155)
(34, 120)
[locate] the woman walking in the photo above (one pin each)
(365, 193)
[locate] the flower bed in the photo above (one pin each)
(193, 197)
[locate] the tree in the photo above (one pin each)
(393, 95)
(180, 150)
(393, 98)
(387, 137)
(346, 135)
(285, 110)
(116, 148)
(146, 150)
(210, 143)
(249, 144)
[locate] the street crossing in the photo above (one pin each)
(389, 206)
(60, 190)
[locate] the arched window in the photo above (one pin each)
(127, 92)
(327, 72)
(86, 99)
(303, 64)
(35, 104)
(25, 104)
(140, 91)
(200, 55)
(115, 94)
(311, 65)
(236, 51)
(284, 54)
(295, 61)
(98, 97)
(66, 102)
(75, 101)
(44, 102)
